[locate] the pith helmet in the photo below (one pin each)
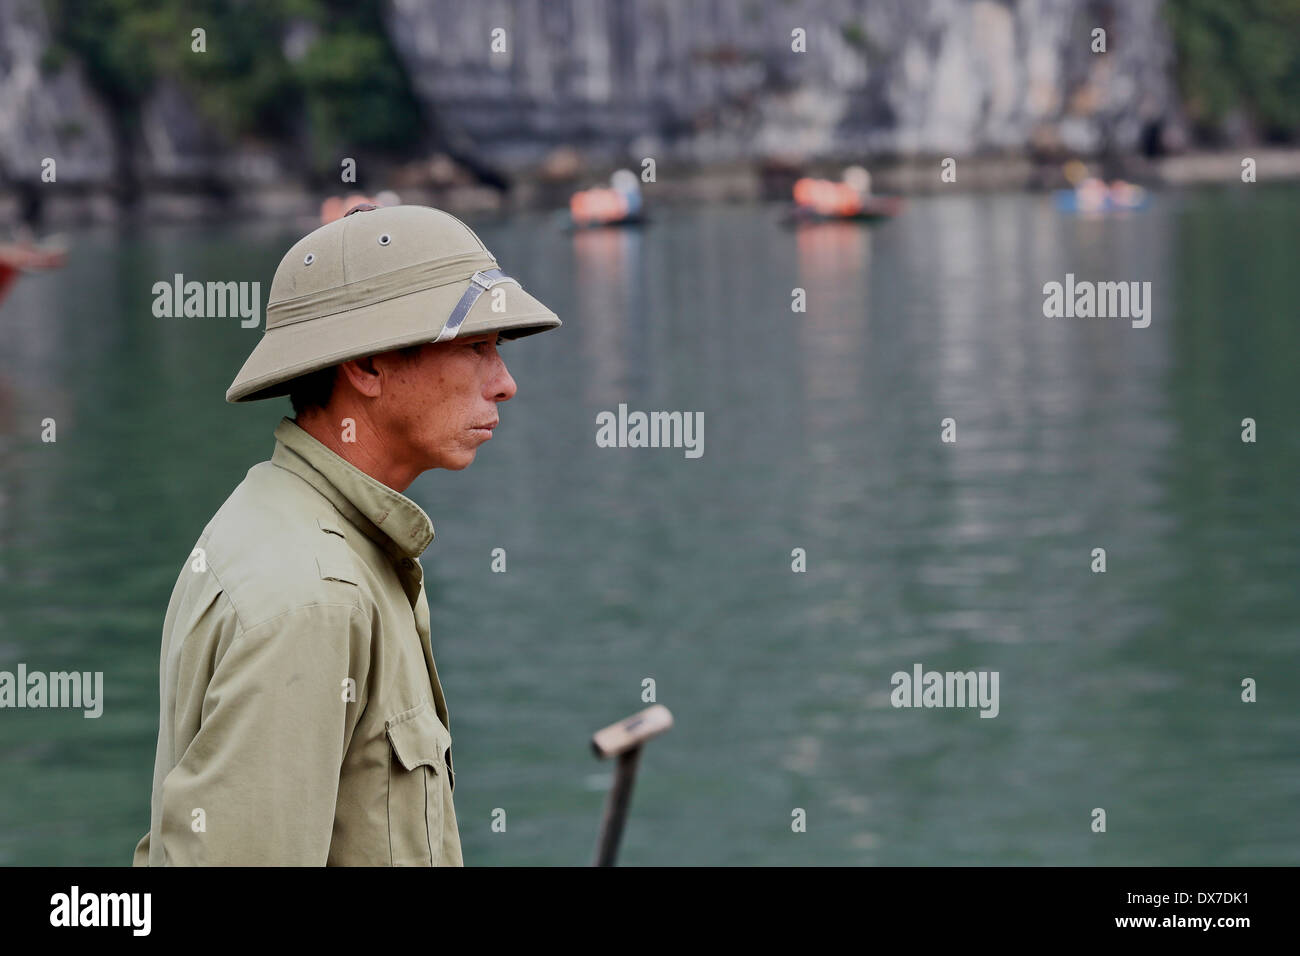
(381, 278)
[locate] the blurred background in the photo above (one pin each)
(923, 284)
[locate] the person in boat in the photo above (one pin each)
(620, 202)
(301, 720)
(835, 200)
(1092, 194)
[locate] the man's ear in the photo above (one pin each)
(362, 375)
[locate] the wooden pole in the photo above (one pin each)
(624, 740)
(616, 804)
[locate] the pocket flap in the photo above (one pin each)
(333, 557)
(419, 739)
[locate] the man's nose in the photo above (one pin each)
(503, 385)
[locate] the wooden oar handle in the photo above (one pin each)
(631, 731)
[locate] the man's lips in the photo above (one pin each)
(486, 428)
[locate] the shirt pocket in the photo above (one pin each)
(417, 777)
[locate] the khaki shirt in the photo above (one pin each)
(301, 718)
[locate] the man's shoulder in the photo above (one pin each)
(276, 545)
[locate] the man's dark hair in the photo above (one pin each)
(314, 389)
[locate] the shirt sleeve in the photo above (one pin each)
(258, 783)
(141, 855)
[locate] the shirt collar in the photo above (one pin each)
(392, 520)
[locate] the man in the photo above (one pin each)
(301, 720)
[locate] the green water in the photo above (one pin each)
(1119, 691)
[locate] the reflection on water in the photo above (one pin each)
(608, 315)
(1118, 690)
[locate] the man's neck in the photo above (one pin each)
(366, 451)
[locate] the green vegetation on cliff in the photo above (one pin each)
(1239, 56)
(315, 71)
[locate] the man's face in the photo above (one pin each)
(439, 405)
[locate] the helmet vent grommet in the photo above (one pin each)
(309, 258)
(385, 239)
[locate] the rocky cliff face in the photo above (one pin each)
(718, 79)
(696, 80)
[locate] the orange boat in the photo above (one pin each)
(823, 200)
(619, 204)
(335, 207)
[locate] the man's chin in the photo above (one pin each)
(461, 461)
(454, 458)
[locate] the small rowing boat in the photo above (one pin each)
(850, 200)
(871, 209)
